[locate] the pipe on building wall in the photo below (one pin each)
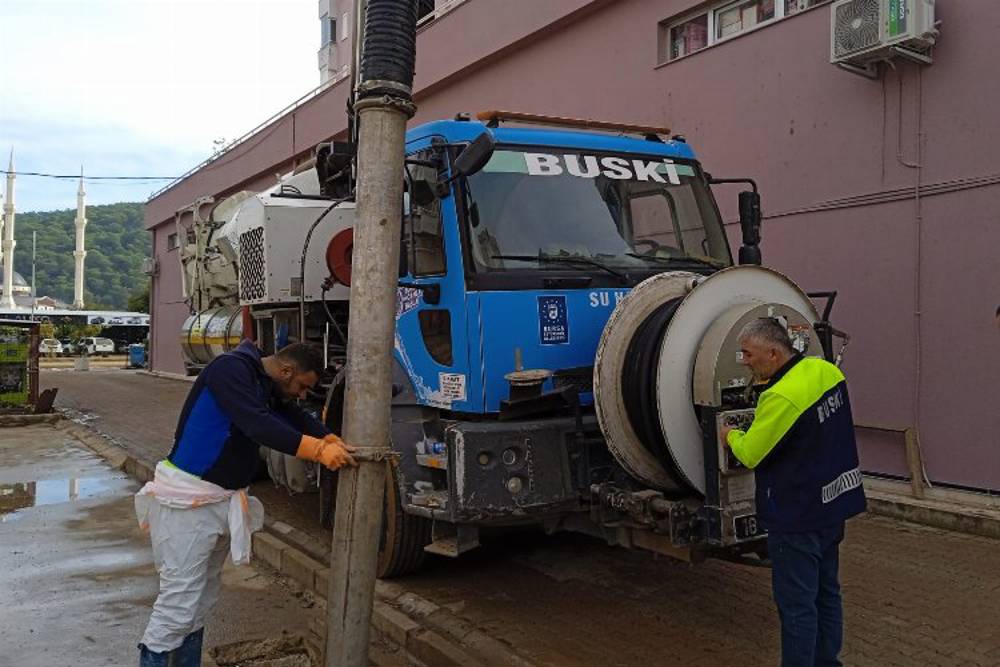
(917, 168)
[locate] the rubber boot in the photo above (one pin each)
(189, 653)
(149, 658)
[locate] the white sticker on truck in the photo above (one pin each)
(452, 386)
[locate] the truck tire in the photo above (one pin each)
(403, 536)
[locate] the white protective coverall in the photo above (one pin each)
(193, 525)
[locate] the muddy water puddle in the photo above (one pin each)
(19, 497)
(52, 474)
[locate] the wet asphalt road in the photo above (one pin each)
(77, 575)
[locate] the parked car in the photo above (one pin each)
(101, 346)
(68, 346)
(49, 347)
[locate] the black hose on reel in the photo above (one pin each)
(638, 381)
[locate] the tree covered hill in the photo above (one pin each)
(116, 244)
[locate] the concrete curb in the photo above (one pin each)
(480, 647)
(167, 376)
(427, 632)
(108, 449)
(955, 518)
(28, 420)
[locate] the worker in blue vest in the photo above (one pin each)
(197, 509)
(801, 447)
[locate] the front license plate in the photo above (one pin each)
(747, 527)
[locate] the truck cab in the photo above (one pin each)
(508, 277)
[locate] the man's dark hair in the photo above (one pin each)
(306, 357)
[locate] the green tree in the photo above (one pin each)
(117, 242)
(139, 302)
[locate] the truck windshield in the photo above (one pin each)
(526, 208)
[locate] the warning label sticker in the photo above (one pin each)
(452, 386)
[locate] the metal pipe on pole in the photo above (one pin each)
(382, 107)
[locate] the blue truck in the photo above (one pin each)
(565, 348)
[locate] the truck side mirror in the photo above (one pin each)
(475, 156)
(750, 224)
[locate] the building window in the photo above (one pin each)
(345, 27)
(721, 21)
(795, 6)
(689, 36)
(172, 243)
(738, 17)
(328, 29)
(424, 8)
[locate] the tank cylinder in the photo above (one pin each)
(212, 332)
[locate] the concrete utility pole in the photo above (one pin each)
(8, 238)
(383, 104)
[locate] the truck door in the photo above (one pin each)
(431, 342)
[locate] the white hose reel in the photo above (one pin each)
(706, 315)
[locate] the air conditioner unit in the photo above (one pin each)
(150, 266)
(866, 31)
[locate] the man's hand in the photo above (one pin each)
(331, 451)
(724, 434)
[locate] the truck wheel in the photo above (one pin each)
(327, 496)
(404, 536)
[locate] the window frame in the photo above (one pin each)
(425, 154)
(173, 241)
(712, 11)
(327, 30)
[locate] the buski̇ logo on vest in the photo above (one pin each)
(829, 406)
(592, 166)
(845, 482)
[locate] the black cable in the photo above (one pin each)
(90, 178)
(302, 267)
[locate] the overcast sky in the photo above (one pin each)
(141, 87)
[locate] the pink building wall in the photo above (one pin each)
(833, 154)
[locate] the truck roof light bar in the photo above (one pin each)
(493, 118)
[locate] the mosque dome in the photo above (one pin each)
(21, 286)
